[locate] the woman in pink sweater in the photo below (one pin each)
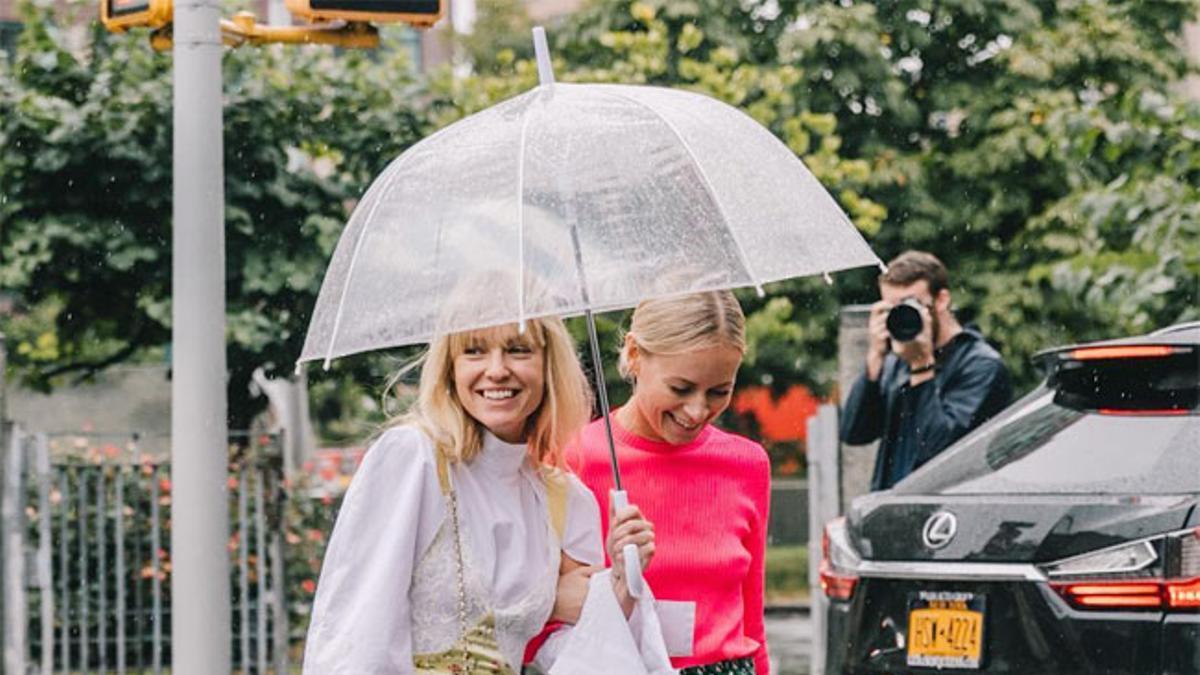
(705, 490)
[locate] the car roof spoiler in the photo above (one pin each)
(1179, 335)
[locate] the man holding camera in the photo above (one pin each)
(928, 381)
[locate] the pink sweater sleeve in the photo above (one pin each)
(754, 586)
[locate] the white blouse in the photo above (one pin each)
(363, 615)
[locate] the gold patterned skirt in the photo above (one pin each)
(476, 653)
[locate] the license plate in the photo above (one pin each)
(945, 629)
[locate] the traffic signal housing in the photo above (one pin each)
(121, 15)
(421, 13)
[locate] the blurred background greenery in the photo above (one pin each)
(1044, 149)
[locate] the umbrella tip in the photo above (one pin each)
(882, 268)
(328, 361)
(828, 279)
(759, 290)
(299, 369)
(542, 53)
(521, 327)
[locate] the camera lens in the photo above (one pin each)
(904, 321)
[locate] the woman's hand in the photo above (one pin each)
(628, 526)
(573, 578)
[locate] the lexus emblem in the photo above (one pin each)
(939, 529)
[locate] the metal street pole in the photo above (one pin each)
(3, 462)
(200, 604)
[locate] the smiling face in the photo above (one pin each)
(499, 377)
(677, 394)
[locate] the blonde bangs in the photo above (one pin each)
(566, 404)
(534, 335)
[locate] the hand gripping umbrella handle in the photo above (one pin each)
(633, 563)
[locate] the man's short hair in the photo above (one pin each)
(912, 266)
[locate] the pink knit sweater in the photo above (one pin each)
(708, 501)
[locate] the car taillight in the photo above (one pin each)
(838, 561)
(1184, 594)
(1149, 412)
(1125, 352)
(1112, 595)
(1161, 573)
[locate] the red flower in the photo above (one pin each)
(309, 586)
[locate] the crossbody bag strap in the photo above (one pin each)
(556, 499)
(466, 661)
(443, 471)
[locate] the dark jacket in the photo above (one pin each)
(916, 423)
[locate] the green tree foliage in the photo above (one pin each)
(86, 185)
(499, 37)
(1039, 147)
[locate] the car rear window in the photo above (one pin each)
(1039, 446)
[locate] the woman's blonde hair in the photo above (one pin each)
(682, 323)
(566, 403)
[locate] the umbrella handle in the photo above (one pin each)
(633, 563)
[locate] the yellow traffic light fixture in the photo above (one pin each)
(244, 29)
(121, 15)
(342, 23)
(419, 13)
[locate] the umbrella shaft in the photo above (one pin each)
(602, 393)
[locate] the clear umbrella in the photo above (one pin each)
(572, 199)
(581, 197)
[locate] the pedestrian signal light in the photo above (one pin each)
(422, 13)
(121, 15)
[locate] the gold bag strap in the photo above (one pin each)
(556, 491)
(443, 471)
(556, 499)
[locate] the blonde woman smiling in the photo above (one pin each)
(449, 545)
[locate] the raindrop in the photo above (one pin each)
(918, 16)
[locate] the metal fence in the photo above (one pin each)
(86, 526)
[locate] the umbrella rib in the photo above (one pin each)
(708, 186)
(521, 222)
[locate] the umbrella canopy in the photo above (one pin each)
(573, 198)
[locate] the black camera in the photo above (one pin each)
(904, 321)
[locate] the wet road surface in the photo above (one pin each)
(789, 638)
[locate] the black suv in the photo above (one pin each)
(1063, 536)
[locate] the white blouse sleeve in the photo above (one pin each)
(361, 620)
(582, 539)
